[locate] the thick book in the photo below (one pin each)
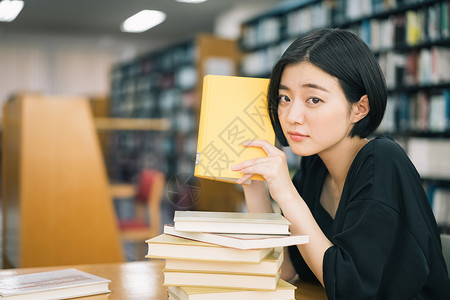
(240, 241)
(167, 246)
(284, 290)
(231, 222)
(233, 110)
(270, 265)
(226, 280)
(60, 284)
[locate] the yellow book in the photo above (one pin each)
(233, 110)
(167, 246)
(284, 290)
(413, 29)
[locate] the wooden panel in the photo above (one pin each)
(208, 47)
(131, 124)
(100, 109)
(11, 137)
(66, 213)
(219, 196)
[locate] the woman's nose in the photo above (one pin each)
(295, 114)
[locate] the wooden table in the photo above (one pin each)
(143, 280)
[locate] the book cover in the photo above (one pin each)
(231, 222)
(60, 284)
(284, 290)
(240, 241)
(228, 280)
(233, 110)
(167, 246)
(270, 265)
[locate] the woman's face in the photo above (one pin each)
(314, 114)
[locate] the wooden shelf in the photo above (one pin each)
(132, 124)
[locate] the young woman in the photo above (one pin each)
(372, 232)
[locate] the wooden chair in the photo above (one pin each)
(147, 203)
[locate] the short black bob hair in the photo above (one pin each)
(345, 56)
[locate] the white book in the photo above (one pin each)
(60, 284)
(172, 247)
(270, 265)
(171, 296)
(441, 206)
(284, 290)
(231, 222)
(227, 280)
(240, 241)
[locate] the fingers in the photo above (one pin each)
(244, 164)
(265, 145)
(264, 166)
(248, 169)
(244, 178)
(264, 169)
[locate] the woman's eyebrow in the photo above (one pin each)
(307, 85)
(283, 87)
(315, 86)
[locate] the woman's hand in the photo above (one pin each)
(273, 168)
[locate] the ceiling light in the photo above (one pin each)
(9, 9)
(191, 1)
(143, 20)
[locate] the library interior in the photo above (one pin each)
(100, 118)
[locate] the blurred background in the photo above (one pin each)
(100, 116)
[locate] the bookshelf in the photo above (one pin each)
(166, 84)
(411, 39)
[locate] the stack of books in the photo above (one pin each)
(59, 284)
(224, 255)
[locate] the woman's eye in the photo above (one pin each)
(314, 100)
(284, 99)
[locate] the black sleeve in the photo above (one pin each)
(354, 266)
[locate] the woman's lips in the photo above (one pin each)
(296, 136)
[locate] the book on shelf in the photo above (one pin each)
(60, 284)
(270, 265)
(228, 280)
(240, 241)
(284, 290)
(440, 200)
(231, 222)
(430, 156)
(233, 110)
(167, 246)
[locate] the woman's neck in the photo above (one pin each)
(339, 159)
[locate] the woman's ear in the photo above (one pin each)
(360, 109)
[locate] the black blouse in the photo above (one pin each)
(385, 240)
